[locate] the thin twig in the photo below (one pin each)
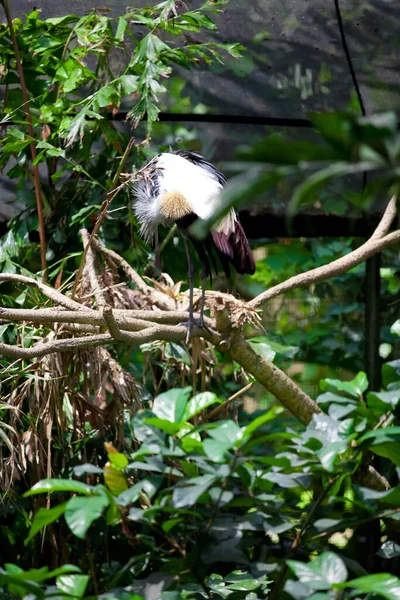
(216, 411)
(109, 198)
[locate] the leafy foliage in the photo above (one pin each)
(197, 499)
(217, 495)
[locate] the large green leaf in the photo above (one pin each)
(164, 424)
(382, 584)
(388, 450)
(262, 346)
(322, 572)
(226, 432)
(380, 436)
(74, 585)
(82, 512)
(199, 403)
(391, 372)
(383, 401)
(171, 405)
(355, 388)
(215, 450)
(43, 517)
(187, 495)
(59, 485)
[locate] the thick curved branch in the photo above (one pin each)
(273, 379)
(387, 219)
(336, 267)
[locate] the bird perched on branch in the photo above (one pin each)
(181, 187)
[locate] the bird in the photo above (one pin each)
(181, 187)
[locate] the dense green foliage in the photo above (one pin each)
(119, 479)
(214, 509)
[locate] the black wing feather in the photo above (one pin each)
(200, 161)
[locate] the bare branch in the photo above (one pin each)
(387, 219)
(167, 333)
(89, 269)
(160, 299)
(336, 267)
(125, 319)
(67, 345)
(48, 291)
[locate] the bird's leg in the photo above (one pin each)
(203, 297)
(191, 322)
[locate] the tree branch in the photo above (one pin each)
(273, 379)
(387, 219)
(131, 320)
(48, 291)
(336, 267)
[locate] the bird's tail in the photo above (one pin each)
(234, 248)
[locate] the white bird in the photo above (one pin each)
(181, 187)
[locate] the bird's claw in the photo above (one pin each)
(192, 322)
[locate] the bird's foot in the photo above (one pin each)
(192, 322)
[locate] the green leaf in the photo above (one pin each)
(149, 49)
(391, 372)
(121, 27)
(74, 585)
(199, 403)
(383, 401)
(329, 455)
(43, 517)
(355, 388)
(118, 460)
(395, 328)
(59, 485)
(226, 432)
(260, 421)
(71, 74)
(177, 352)
(164, 425)
(320, 573)
(388, 450)
(82, 512)
(216, 450)
(389, 549)
(382, 584)
(310, 188)
(80, 470)
(183, 497)
(379, 436)
(130, 495)
(262, 346)
(171, 405)
(129, 84)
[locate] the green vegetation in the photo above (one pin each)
(139, 466)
